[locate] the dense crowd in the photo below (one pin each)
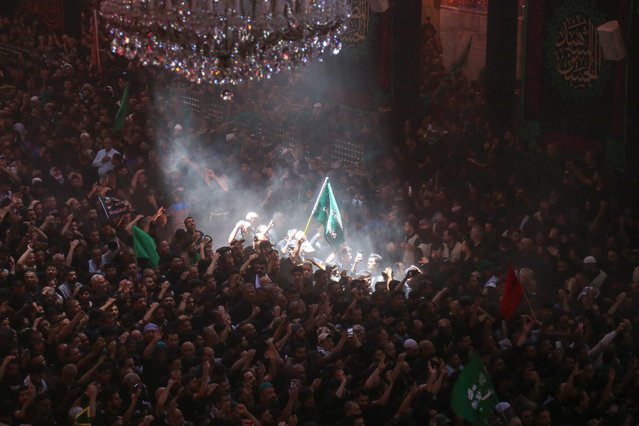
(245, 331)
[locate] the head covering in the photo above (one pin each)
(19, 127)
(505, 344)
(150, 327)
(590, 260)
(502, 406)
(160, 347)
(410, 344)
(442, 419)
(265, 385)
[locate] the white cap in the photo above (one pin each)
(502, 406)
(410, 344)
(19, 127)
(505, 344)
(590, 260)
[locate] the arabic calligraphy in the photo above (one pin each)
(577, 51)
(358, 22)
(476, 394)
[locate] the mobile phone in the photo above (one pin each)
(349, 332)
(558, 344)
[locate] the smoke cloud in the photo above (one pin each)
(268, 147)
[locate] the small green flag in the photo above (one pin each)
(473, 397)
(144, 246)
(123, 110)
(462, 61)
(327, 213)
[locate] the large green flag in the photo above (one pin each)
(123, 110)
(473, 397)
(327, 213)
(144, 246)
(462, 61)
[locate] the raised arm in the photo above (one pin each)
(210, 178)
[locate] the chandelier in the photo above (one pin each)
(225, 42)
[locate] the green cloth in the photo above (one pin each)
(473, 397)
(123, 111)
(327, 213)
(462, 61)
(144, 246)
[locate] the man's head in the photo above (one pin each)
(297, 275)
(589, 265)
(267, 393)
(71, 276)
(189, 224)
(99, 284)
(373, 261)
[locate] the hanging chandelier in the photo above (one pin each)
(225, 42)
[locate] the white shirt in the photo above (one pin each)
(106, 166)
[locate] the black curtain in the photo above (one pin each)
(501, 57)
(8, 7)
(405, 47)
(72, 18)
(632, 119)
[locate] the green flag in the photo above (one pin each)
(123, 111)
(473, 397)
(327, 213)
(144, 246)
(462, 61)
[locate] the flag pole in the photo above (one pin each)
(492, 388)
(96, 42)
(532, 311)
(106, 212)
(315, 206)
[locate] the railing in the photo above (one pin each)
(12, 52)
(272, 131)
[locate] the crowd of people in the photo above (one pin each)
(210, 330)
